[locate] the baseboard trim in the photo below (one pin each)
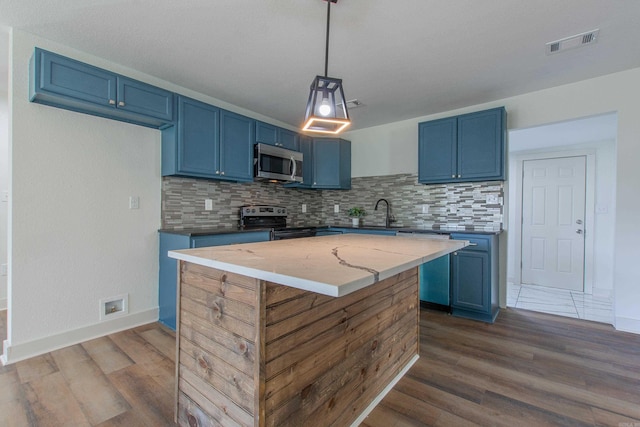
(626, 324)
(384, 392)
(26, 350)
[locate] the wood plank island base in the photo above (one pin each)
(298, 332)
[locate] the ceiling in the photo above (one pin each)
(401, 59)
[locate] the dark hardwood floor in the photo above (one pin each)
(528, 369)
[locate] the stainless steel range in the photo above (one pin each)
(274, 217)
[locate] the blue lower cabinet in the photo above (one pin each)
(474, 278)
(168, 274)
(434, 281)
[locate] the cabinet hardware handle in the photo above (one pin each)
(459, 176)
(473, 244)
(112, 102)
(222, 173)
(121, 104)
(453, 176)
(217, 172)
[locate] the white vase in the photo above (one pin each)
(355, 221)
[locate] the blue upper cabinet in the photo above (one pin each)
(331, 162)
(208, 142)
(437, 150)
(236, 146)
(141, 98)
(196, 142)
(274, 135)
(470, 147)
(326, 163)
(66, 83)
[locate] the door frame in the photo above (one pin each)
(589, 208)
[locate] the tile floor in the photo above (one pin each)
(560, 302)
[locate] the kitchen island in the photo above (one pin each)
(309, 331)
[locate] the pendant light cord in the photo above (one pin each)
(326, 51)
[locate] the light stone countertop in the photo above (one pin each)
(333, 265)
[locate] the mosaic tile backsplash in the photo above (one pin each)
(453, 206)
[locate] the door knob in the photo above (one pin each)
(579, 231)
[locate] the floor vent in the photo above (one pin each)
(572, 42)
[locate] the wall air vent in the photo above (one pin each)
(353, 103)
(579, 40)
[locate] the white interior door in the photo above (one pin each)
(553, 212)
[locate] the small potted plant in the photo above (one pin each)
(356, 213)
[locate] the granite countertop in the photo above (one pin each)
(228, 230)
(333, 265)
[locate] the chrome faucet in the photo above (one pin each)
(388, 218)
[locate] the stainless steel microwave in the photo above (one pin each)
(277, 163)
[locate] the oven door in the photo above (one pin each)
(293, 233)
(275, 163)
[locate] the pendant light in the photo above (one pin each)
(326, 108)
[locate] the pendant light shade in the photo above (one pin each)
(326, 108)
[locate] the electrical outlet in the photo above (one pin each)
(492, 199)
(452, 209)
(425, 209)
(304, 208)
(134, 202)
(336, 208)
(208, 204)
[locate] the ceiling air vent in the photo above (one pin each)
(578, 40)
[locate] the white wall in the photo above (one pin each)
(73, 239)
(617, 92)
(4, 186)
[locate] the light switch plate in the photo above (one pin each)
(208, 204)
(304, 208)
(134, 202)
(4, 196)
(425, 209)
(336, 208)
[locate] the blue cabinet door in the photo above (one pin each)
(236, 146)
(481, 145)
(331, 163)
(266, 133)
(437, 151)
(198, 139)
(470, 281)
(54, 76)
(288, 139)
(142, 98)
(306, 148)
